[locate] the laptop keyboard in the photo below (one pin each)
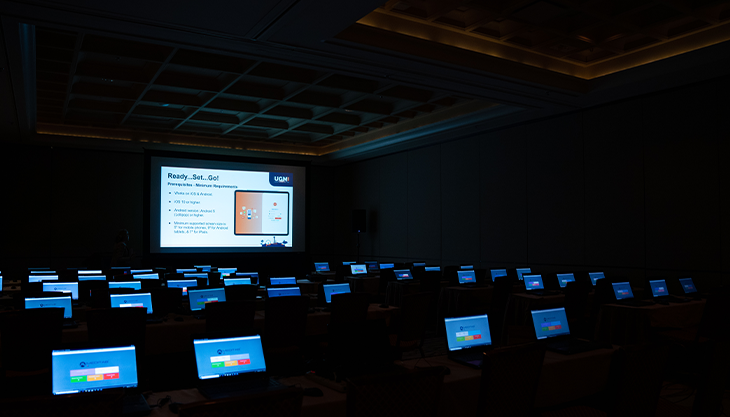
(241, 387)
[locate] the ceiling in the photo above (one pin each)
(328, 82)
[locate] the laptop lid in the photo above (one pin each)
(89, 272)
(236, 281)
(182, 283)
(195, 275)
(658, 288)
(71, 288)
(322, 266)
(433, 268)
(92, 278)
(282, 292)
(140, 271)
(622, 290)
(467, 332)
(466, 276)
(550, 323)
(41, 278)
(521, 271)
(372, 266)
(199, 298)
(330, 289)
(466, 267)
(135, 300)
(564, 279)
(146, 276)
(595, 276)
(533, 282)
(358, 269)
(402, 274)
(184, 270)
(85, 370)
(135, 285)
(498, 273)
(387, 266)
(283, 281)
(51, 302)
(225, 272)
(419, 264)
(204, 268)
(688, 285)
(228, 356)
(348, 263)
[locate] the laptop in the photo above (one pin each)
(63, 302)
(202, 268)
(403, 274)
(522, 271)
(466, 267)
(71, 288)
(41, 278)
(92, 278)
(81, 272)
(146, 276)
(359, 270)
(226, 272)
(135, 285)
(282, 292)
(372, 267)
(552, 324)
(283, 281)
(386, 266)
(534, 285)
(498, 273)
(564, 279)
(625, 296)
(348, 263)
(135, 300)
(433, 269)
(467, 278)
(595, 276)
(236, 281)
(140, 271)
(330, 289)
(419, 264)
(231, 366)
(202, 275)
(74, 371)
(199, 298)
(182, 283)
(689, 288)
(660, 292)
(188, 270)
(323, 268)
(468, 338)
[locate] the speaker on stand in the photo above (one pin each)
(359, 225)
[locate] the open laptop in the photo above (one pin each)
(186, 270)
(283, 281)
(146, 276)
(226, 272)
(553, 324)
(63, 302)
(625, 296)
(92, 278)
(660, 292)
(386, 266)
(373, 267)
(468, 338)
(81, 272)
(360, 270)
(534, 285)
(203, 268)
(135, 285)
(71, 288)
(282, 292)
(433, 269)
(182, 283)
(199, 298)
(42, 277)
(689, 288)
(236, 281)
(564, 279)
(467, 278)
(330, 289)
(403, 274)
(596, 276)
(74, 371)
(466, 267)
(498, 273)
(323, 268)
(521, 271)
(197, 275)
(135, 300)
(231, 366)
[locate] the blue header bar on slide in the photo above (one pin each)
(281, 179)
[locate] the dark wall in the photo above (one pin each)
(637, 188)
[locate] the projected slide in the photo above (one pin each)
(225, 208)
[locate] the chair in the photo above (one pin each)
(118, 326)
(713, 380)
(576, 306)
(241, 292)
(349, 308)
(498, 307)
(235, 316)
(285, 402)
(105, 403)
(411, 323)
(27, 338)
(166, 300)
(284, 330)
(509, 380)
(404, 394)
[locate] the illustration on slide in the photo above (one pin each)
(270, 244)
(261, 213)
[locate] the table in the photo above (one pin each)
(370, 285)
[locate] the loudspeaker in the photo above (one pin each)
(359, 223)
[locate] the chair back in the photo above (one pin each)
(166, 300)
(285, 402)
(241, 292)
(576, 297)
(118, 326)
(413, 317)
(635, 380)
(497, 311)
(234, 316)
(286, 321)
(27, 338)
(713, 378)
(715, 321)
(349, 308)
(509, 380)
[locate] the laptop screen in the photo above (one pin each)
(41, 278)
(550, 323)
(182, 271)
(196, 275)
(140, 271)
(141, 300)
(236, 281)
(433, 268)
(498, 273)
(466, 332)
(466, 267)
(225, 272)
(283, 281)
(658, 288)
(41, 271)
(401, 274)
(372, 266)
(521, 271)
(622, 290)
(595, 276)
(246, 275)
(322, 266)
(564, 279)
(51, 302)
(687, 285)
(199, 298)
(387, 266)
(282, 292)
(92, 278)
(334, 289)
(182, 283)
(358, 269)
(348, 263)
(466, 277)
(135, 285)
(225, 357)
(89, 272)
(145, 276)
(533, 282)
(204, 268)
(419, 264)
(64, 287)
(86, 370)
